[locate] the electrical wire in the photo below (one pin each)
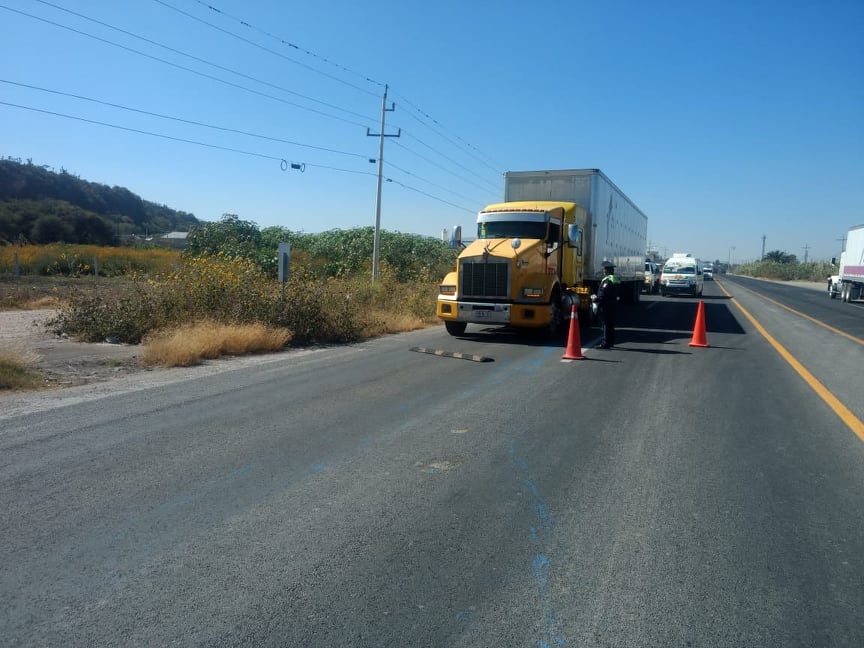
(186, 69)
(284, 42)
(282, 161)
(428, 195)
(439, 166)
(486, 162)
(429, 182)
(254, 44)
(248, 25)
(143, 132)
(181, 120)
(206, 62)
(446, 157)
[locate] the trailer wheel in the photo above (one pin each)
(455, 328)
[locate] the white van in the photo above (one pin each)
(682, 275)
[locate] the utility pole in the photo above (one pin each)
(762, 258)
(806, 250)
(376, 250)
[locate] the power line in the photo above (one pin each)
(285, 164)
(283, 42)
(448, 158)
(228, 83)
(428, 195)
(254, 44)
(439, 166)
(200, 60)
(486, 162)
(143, 132)
(248, 25)
(184, 121)
(447, 189)
(230, 130)
(201, 74)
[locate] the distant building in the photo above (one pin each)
(176, 240)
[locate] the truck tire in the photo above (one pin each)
(455, 328)
(555, 316)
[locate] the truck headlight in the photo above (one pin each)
(446, 290)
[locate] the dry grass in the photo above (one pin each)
(191, 344)
(16, 369)
(395, 323)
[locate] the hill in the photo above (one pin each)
(40, 205)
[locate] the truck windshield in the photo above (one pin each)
(512, 225)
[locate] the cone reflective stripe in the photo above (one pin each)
(574, 343)
(699, 329)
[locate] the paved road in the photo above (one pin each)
(372, 495)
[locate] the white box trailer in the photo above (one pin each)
(848, 283)
(617, 229)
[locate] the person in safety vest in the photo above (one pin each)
(607, 305)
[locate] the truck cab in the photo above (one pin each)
(519, 270)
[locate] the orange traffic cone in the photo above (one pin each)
(699, 329)
(574, 343)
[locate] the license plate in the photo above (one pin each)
(482, 313)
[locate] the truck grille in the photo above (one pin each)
(481, 279)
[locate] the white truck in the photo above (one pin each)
(848, 283)
(541, 251)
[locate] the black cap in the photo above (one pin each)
(608, 265)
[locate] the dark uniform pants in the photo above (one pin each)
(607, 327)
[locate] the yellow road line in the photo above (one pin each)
(800, 314)
(843, 412)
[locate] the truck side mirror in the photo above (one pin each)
(574, 237)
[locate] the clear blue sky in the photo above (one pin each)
(723, 122)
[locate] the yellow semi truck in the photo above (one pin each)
(542, 251)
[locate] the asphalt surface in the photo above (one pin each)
(656, 494)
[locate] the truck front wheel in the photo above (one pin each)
(555, 317)
(455, 328)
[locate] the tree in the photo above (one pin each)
(49, 228)
(230, 236)
(777, 256)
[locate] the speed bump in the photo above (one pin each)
(453, 354)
